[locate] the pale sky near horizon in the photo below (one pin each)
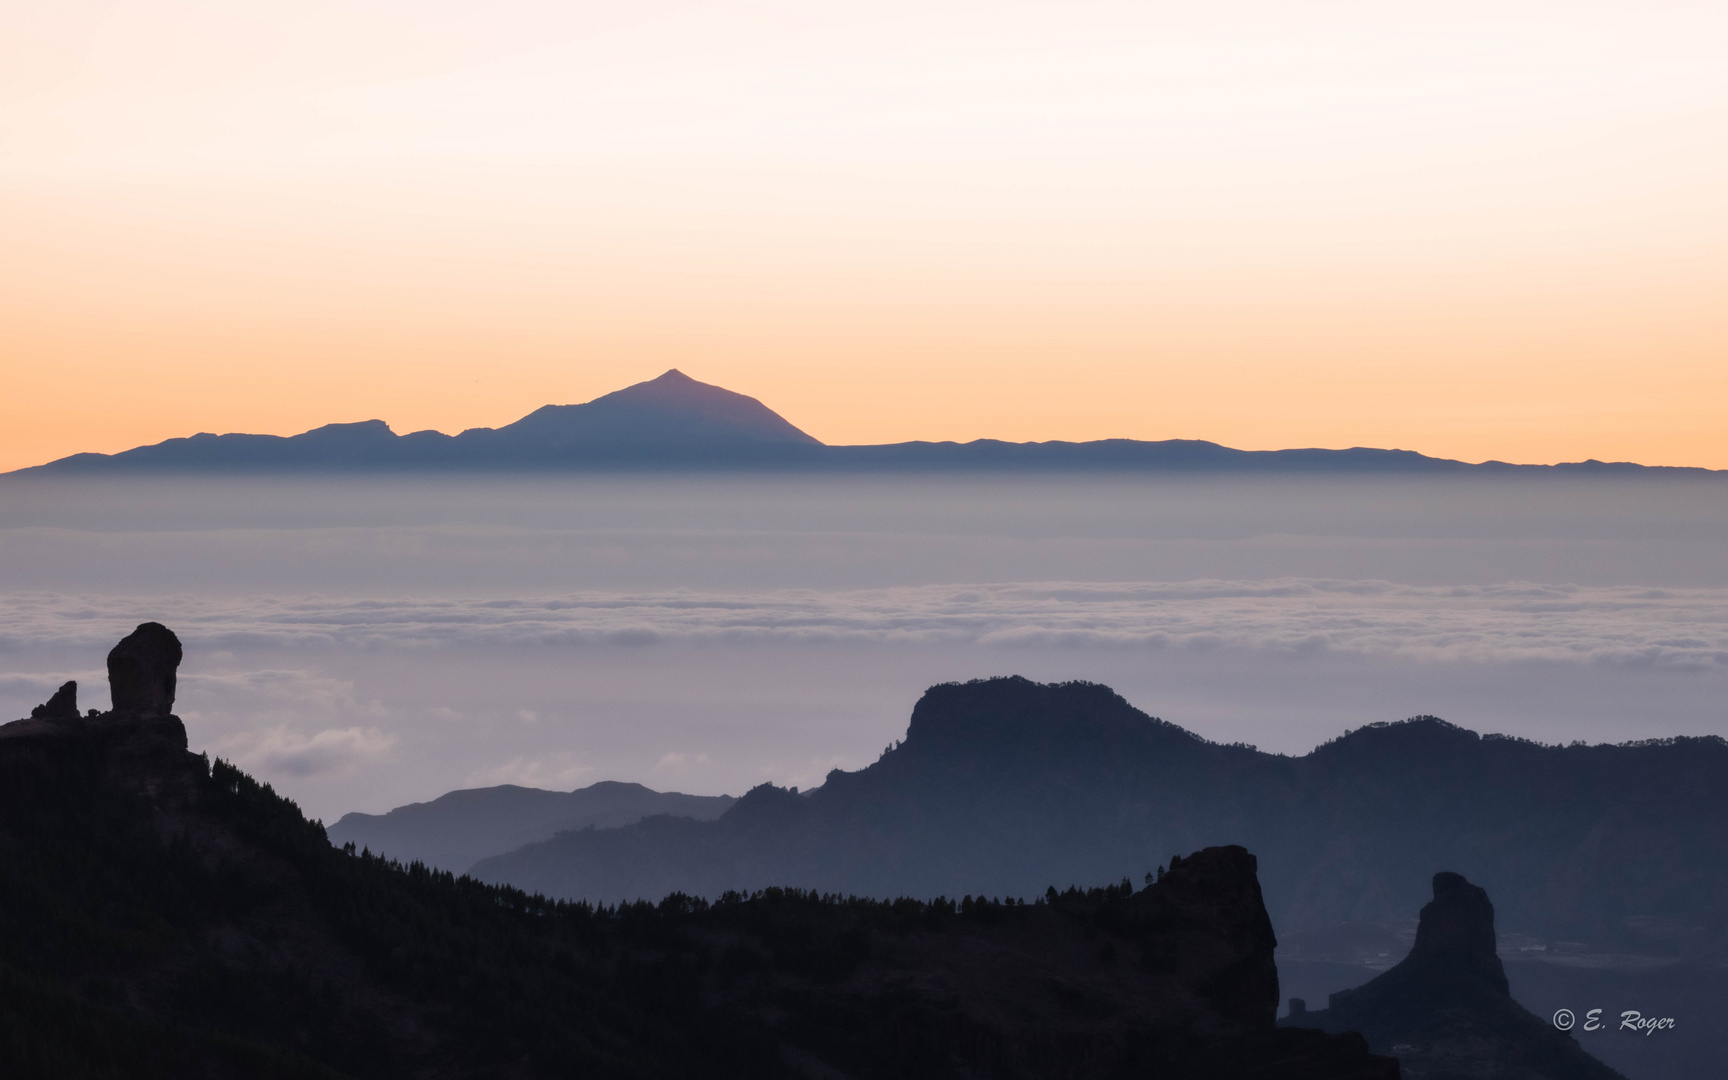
(1478, 230)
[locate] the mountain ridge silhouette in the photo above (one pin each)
(674, 421)
(460, 827)
(1004, 786)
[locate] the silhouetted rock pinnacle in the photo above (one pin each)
(62, 706)
(1456, 931)
(1445, 1011)
(141, 671)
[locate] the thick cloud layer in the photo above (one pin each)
(365, 642)
(365, 704)
(1519, 621)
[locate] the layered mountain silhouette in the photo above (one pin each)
(671, 419)
(455, 829)
(1004, 787)
(162, 916)
(1446, 1011)
(676, 422)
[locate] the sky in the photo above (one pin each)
(1477, 230)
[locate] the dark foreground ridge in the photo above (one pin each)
(163, 916)
(1445, 1010)
(675, 422)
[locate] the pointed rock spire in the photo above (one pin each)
(1457, 928)
(1446, 1010)
(62, 706)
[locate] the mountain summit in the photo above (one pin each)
(672, 410)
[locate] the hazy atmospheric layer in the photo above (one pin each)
(364, 643)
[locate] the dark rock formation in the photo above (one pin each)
(1456, 932)
(1445, 1011)
(1175, 980)
(1214, 927)
(62, 706)
(141, 671)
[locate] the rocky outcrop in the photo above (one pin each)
(62, 706)
(141, 671)
(1175, 980)
(1211, 923)
(140, 742)
(1445, 1011)
(1456, 932)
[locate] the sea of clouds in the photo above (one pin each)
(369, 703)
(366, 642)
(1517, 621)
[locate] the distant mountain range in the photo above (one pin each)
(1608, 864)
(676, 422)
(455, 830)
(1005, 786)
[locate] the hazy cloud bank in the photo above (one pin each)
(709, 633)
(1674, 629)
(282, 751)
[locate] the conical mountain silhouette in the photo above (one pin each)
(672, 410)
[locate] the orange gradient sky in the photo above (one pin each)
(1477, 230)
